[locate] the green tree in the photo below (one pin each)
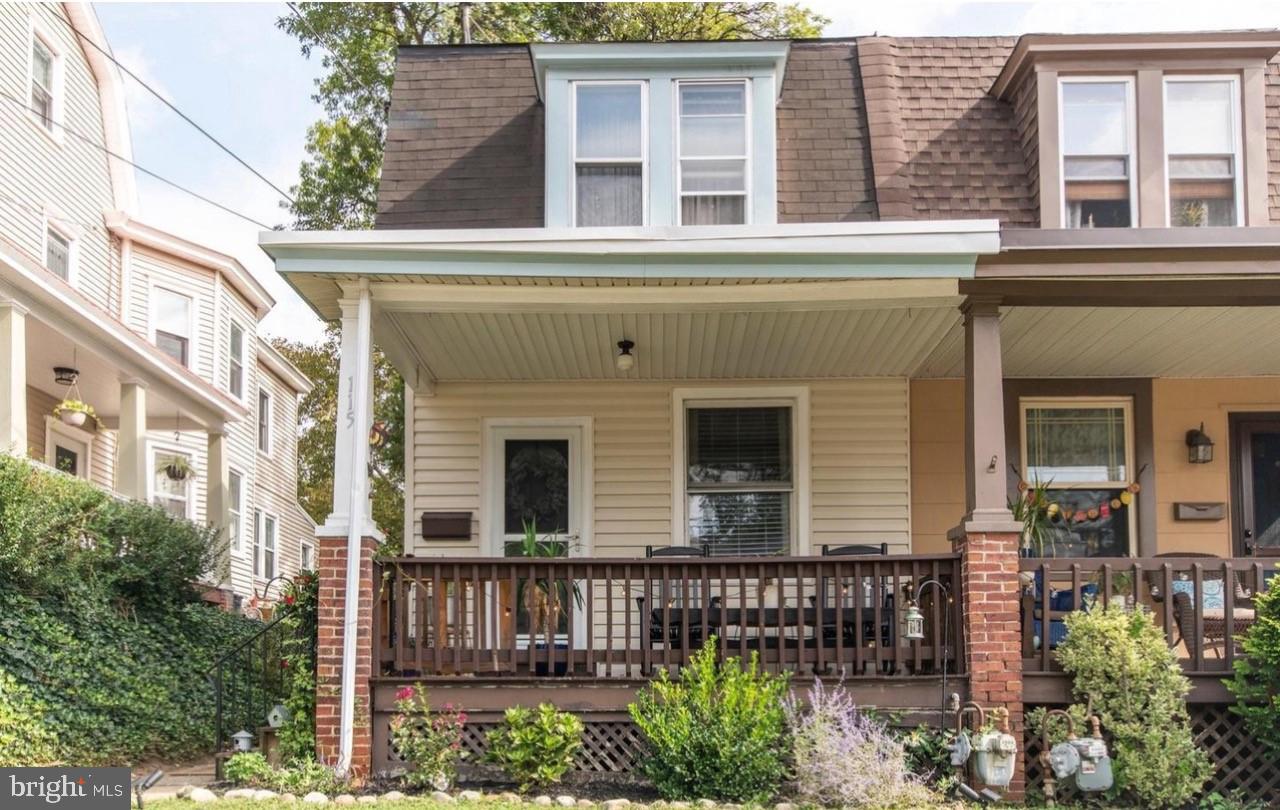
(338, 180)
(317, 419)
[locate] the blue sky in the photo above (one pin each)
(228, 67)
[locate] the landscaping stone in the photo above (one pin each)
(586, 803)
(679, 806)
(566, 801)
(392, 796)
(345, 798)
(470, 795)
(784, 806)
(315, 797)
(616, 804)
(510, 798)
(202, 795)
(264, 795)
(706, 803)
(184, 791)
(542, 800)
(288, 798)
(239, 793)
(442, 797)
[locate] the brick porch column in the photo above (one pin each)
(988, 538)
(331, 569)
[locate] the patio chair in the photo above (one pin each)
(856, 550)
(673, 634)
(867, 632)
(1213, 619)
(1061, 604)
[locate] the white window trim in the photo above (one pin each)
(795, 397)
(38, 31)
(1125, 404)
(676, 155)
(260, 517)
(56, 427)
(239, 548)
(644, 145)
(54, 222)
(1237, 139)
(192, 348)
(153, 452)
(306, 547)
(244, 369)
(1131, 107)
(271, 413)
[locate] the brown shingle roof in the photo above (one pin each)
(464, 141)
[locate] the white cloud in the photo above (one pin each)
(145, 110)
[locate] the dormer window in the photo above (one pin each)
(1202, 143)
(713, 153)
(1097, 152)
(609, 153)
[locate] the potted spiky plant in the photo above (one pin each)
(177, 468)
(543, 597)
(1035, 511)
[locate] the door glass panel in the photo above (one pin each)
(1265, 473)
(536, 485)
(66, 460)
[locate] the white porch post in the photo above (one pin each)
(355, 389)
(218, 497)
(13, 378)
(131, 469)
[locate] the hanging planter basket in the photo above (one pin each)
(177, 468)
(75, 412)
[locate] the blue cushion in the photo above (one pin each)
(1213, 597)
(1057, 633)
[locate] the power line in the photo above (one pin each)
(102, 148)
(337, 60)
(180, 113)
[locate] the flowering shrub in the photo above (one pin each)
(298, 662)
(717, 733)
(431, 742)
(844, 757)
(535, 747)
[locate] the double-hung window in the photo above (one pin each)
(1097, 130)
(43, 67)
(264, 421)
(1202, 144)
(609, 153)
(170, 493)
(235, 508)
(713, 144)
(264, 544)
(172, 316)
(235, 353)
(740, 478)
(57, 253)
(1081, 450)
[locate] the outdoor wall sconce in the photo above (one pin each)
(1199, 446)
(65, 375)
(625, 361)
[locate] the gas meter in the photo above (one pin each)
(996, 753)
(1084, 758)
(961, 749)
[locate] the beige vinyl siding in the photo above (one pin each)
(241, 436)
(40, 174)
(937, 463)
(151, 269)
(859, 457)
(102, 456)
(276, 477)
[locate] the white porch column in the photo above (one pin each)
(355, 397)
(131, 442)
(986, 494)
(13, 378)
(218, 496)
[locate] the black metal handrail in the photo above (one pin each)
(240, 696)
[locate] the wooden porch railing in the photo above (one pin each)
(611, 618)
(1203, 603)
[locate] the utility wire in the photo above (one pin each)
(102, 148)
(180, 113)
(337, 60)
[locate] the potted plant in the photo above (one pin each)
(1036, 512)
(74, 412)
(177, 468)
(544, 598)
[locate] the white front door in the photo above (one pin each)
(537, 474)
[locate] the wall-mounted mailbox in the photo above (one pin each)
(446, 525)
(1199, 511)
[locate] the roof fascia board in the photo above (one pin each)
(1032, 49)
(280, 365)
(647, 55)
(126, 227)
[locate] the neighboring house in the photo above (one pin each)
(158, 334)
(755, 299)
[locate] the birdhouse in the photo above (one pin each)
(242, 741)
(278, 716)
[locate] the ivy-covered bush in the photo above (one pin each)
(1256, 683)
(101, 642)
(719, 732)
(845, 757)
(1119, 661)
(429, 741)
(299, 621)
(535, 747)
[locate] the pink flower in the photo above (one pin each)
(405, 693)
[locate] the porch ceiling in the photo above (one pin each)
(1126, 342)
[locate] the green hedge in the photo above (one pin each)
(103, 646)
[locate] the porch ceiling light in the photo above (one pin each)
(65, 375)
(1199, 446)
(625, 361)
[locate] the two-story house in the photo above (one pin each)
(159, 335)
(768, 336)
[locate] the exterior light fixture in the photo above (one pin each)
(625, 361)
(1199, 446)
(915, 622)
(65, 375)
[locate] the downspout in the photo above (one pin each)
(357, 505)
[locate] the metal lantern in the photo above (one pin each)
(1199, 446)
(242, 741)
(915, 622)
